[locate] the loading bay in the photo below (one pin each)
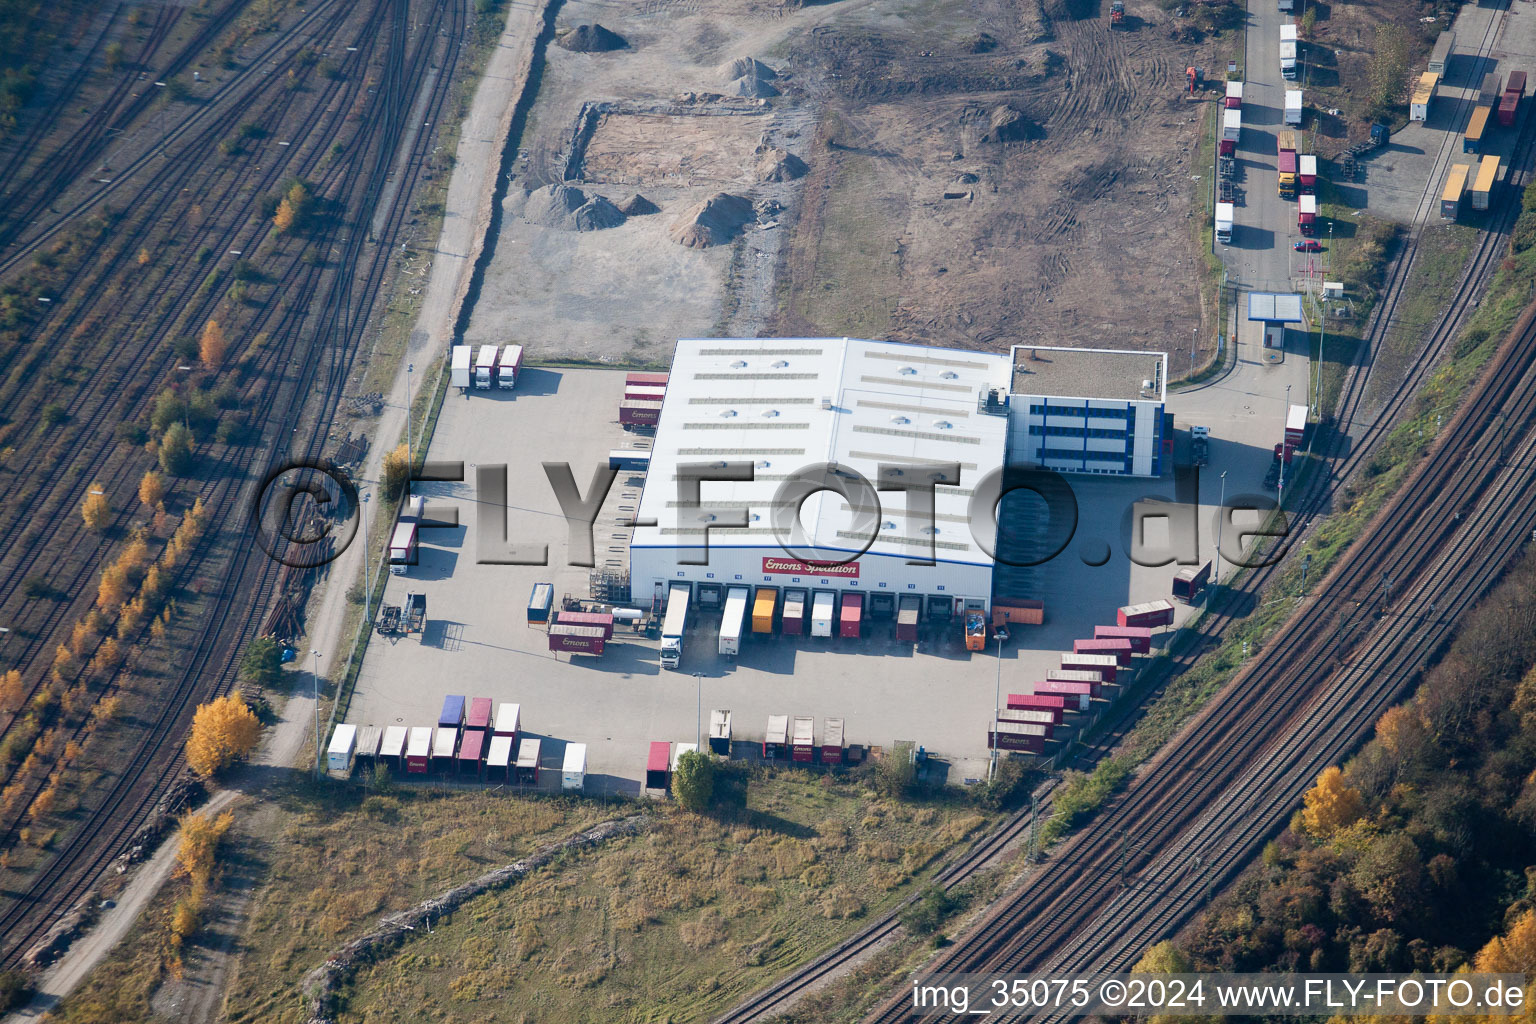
(477, 641)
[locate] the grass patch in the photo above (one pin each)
(676, 923)
(854, 288)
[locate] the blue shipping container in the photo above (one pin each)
(453, 713)
(540, 601)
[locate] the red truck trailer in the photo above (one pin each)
(472, 751)
(1187, 583)
(1120, 648)
(646, 378)
(1053, 702)
(602, 620)
(1509, 104)
(1021, 736)
(1139, 636)
(418, 750)
(639, 413)
(658, 765)
(576, 639)
(1150, 614)
(792, 620)
(802, 745)
(1044, 719)
(1081, 692)
(850, 615)
(479, 716)
(1105, 664)
(832, 741)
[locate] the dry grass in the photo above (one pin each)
(674, 924)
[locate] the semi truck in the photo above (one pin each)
(1423, 96)
(1200, 445)
(1286, 163)
(459, 367)
(1306, 164)
(1293, 107)
(673, 624)
(1306, 215)
(485, 366)
(510, 366)
(1288, 44)
(402, 548)
(1231, 130)
(1224, 216)
(733, 622)
(1187, 583)
(1234, 95)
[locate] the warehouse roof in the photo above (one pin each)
(786, 405)
(1113, 374)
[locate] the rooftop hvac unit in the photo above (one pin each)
(826, 403)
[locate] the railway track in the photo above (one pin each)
(313, 364)
(1349, 442)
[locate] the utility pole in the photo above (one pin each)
(1284, 446)
(698, 717)
(1034, 814)
(1306, 563)
(410, 458)
(367, 559)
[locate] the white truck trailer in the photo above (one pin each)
(673, 625)
(822, 613)
(1293, 107)
(731, 624)
(510, 367)
(460, 367)
(485, 366)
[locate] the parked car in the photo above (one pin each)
(1307, 245)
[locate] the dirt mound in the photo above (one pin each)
(638, 206)
(714, 221)
(590, 39)
(981, 42)
(779, 165)
(569, 209)
(757, 88)
(1009, 125)
(746, 67)
(964, 178)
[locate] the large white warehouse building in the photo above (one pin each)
(788, 411)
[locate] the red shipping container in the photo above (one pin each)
(576, 639)
(603, 620)
(1052, 702)
(852, 613)
(1150, 615)
(1139, 636)
(479, 714)
(639, 413)
(792, 620)
(472, 750)
(906, 618)
(1017, 736)
(646, 378)
(658, 765)
(1090, 663)
(1067, 688)
(1119, 647)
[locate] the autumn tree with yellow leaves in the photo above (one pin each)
(151, 489)
(1331, 804)
(96, 509)
(223, 731)
(211, 346)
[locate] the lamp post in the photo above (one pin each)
(698, 713)
(316, 653)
